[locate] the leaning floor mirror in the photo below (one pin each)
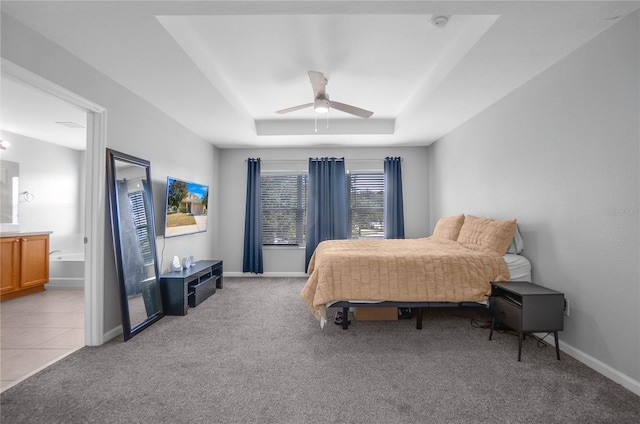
(134, 241)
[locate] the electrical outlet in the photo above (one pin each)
(567, 309)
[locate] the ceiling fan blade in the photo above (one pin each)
(294, 108)
(351, 109)
(318, 83)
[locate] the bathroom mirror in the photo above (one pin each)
(9, 175)
(134, 241)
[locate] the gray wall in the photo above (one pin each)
(133, 126)
(287, 261)
(561, 154)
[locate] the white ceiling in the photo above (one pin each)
(31, 112)
(223, 68)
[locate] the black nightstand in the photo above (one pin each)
(527, 308)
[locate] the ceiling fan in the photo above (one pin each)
(321, 102)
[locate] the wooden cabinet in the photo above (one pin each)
(24, 264)
(10, 265)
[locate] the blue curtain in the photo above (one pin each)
(393, 209)
(252, 257)
(327, 203)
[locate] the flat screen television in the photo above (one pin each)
(186, 207)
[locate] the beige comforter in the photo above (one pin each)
(408, 270)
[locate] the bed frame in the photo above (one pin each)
(418, 306)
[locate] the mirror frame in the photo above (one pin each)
(113, 156)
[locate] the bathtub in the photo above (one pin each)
(66, 270)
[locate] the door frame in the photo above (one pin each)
(95, 197)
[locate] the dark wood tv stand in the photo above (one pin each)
(190, 287)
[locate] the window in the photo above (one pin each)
(139, 212)
(284, 208)
(366, 204)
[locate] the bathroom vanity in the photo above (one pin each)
(25, 263)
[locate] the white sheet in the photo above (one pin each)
(519, 267)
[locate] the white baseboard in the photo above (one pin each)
(266, 274)
(65, 283)
(597, 365)
(114, 332)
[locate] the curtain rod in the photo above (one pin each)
(307, 160)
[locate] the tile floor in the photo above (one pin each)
(37, 330)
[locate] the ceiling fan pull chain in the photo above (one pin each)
(315, 117)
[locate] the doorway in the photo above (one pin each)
(93, 196)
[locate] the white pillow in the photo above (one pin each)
(517, 244)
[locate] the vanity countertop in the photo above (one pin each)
(23, 233)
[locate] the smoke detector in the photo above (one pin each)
(439, 21)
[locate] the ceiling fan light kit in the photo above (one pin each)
(321, 105)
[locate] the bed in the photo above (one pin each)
(453, 266)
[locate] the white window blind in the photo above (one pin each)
(366, 204)
(284, 208)
(139, 212)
